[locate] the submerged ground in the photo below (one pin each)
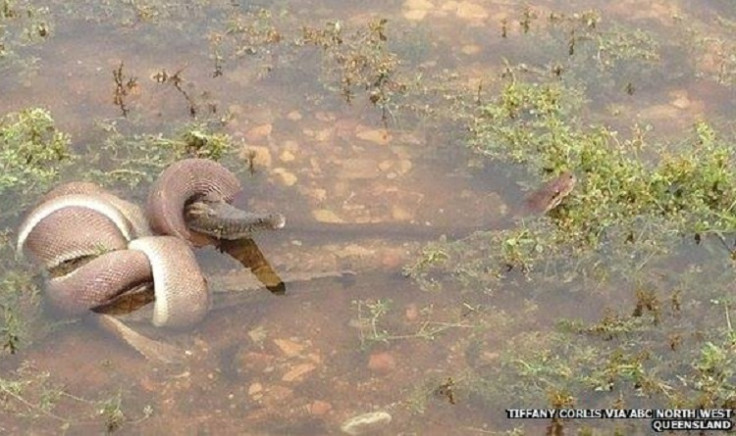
(399, 140)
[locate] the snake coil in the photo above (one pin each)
(97, 246)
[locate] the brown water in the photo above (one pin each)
(328, 350)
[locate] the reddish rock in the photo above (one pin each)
(319, 408)
(393, 259)
(254, 361)
(259, 132)
(298, 372)
(382, 362)
(289, 347)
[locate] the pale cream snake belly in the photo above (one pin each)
(97, 246)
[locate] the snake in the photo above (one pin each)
(99, 249)
(551, 194)
(96, 247)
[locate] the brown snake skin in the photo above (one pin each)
(81, 220)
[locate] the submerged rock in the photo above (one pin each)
(365, 423)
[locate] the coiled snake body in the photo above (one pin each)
(96, 246)
(100, 249)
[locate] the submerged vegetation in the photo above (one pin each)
(139, 158)
(360, 62)
(32, 153)
(33, 394)
(645, 242)
(646, 237)
(21, 25)
(633, 195)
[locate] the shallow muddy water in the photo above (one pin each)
(356, 130)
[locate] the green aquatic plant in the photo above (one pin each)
(588, 52)
(112, 413)
(32, 153)
(669, 345)
(19, 305)
(29, 395)
(359, 62)
(198, 141)
(369, 315)
(21, 24)
(252, 32)
(377, 323)
(139, 158)
(646, 235)
(634, 199)
(539, 364)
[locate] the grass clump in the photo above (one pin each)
(616, 237)
(22, 25)
(32, 152)
(30, 396)
(377, 323)
(361, 62)
(640, 240)
(585, 51)
(139, 158)
(621, 361)
(634, 199)
(19, 305)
